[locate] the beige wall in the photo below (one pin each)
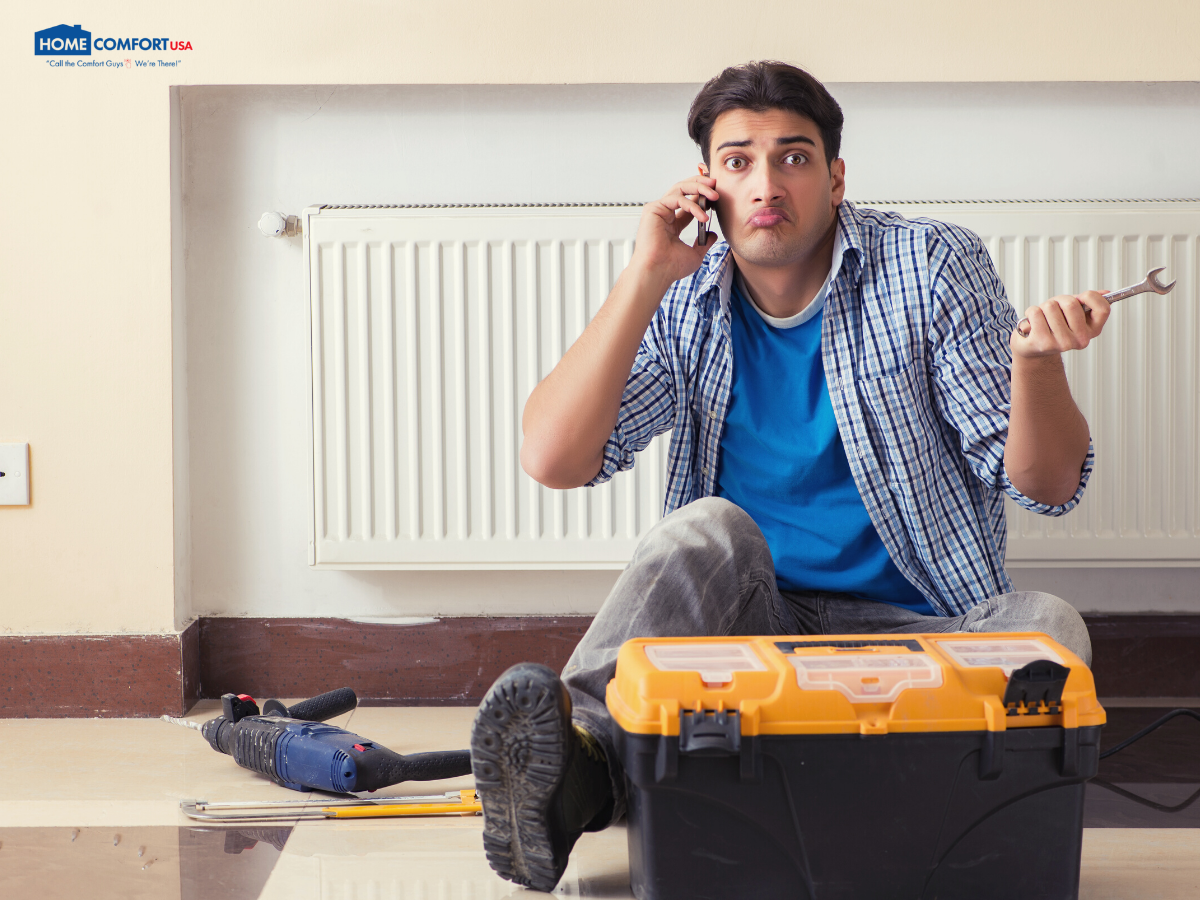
(86, 303)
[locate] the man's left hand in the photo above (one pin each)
(1061, 323)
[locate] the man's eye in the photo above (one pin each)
(735, 163)
(796, 159)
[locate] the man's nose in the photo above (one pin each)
(768, 187)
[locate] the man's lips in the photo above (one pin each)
(766, 217)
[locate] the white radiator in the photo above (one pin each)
(430, 326)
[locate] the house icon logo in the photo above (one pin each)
(62, 40)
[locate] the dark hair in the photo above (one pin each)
(759, 86)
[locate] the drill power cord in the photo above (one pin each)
(1129, 795)
(1146, 801)
(1149, 728)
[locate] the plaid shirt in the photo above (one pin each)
(917, 363)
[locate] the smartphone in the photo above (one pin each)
(702, 227)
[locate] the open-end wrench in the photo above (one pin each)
(1150, 284)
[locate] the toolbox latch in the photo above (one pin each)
(1038, 684)
(709, 732)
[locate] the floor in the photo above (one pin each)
(90, 808)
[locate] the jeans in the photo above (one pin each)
(706, 570)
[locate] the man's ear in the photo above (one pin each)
(703, 169)
(837, 178)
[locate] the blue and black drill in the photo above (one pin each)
(292, 746)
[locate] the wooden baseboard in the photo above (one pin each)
(109, 675)
(450, 661)
(1145, 656)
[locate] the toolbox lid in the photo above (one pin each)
(854, 683)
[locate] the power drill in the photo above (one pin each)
(292, 747)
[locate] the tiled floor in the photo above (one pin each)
(90, 809)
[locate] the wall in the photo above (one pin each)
(87, 356)
(250, 149)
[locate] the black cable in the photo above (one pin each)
(1146, 801)
(1149, 728)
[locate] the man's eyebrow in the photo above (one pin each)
(794, 139)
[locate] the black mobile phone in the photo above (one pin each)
(702, 227)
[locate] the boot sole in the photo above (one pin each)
(519, 747)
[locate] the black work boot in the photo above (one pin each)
(540, 782)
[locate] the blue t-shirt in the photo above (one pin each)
(782, 461)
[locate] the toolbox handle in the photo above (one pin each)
(708, 733)
(1041, 682)
(793, 646)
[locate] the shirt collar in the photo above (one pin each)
(853, 245)
(715, 279)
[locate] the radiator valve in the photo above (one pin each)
(274, 224)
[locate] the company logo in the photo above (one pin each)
(72, 40)
(62, 40)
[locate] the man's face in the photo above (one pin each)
(779, 199)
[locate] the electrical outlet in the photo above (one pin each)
(14, 474)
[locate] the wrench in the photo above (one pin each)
(1150, 284)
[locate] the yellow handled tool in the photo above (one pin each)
(453, 803)
(467, 805)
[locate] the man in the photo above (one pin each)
(850, 404)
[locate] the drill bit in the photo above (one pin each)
(196, 726)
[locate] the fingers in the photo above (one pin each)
(1068, 322)
(693, 208)
(1064, 323)
(1051, 330)
(659, 247)
(1036, 339)
(679, 206)
(697, 184)
(675, 218)
(684, 196)
(1100, 309)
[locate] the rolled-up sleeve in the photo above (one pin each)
(647, 409)
(972, 361)
(1046, 509)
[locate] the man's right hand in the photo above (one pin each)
(571, 413)
(659, 249)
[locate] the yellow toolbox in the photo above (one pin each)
(894, 767)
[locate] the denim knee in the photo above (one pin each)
(713, 520)
(1039, 611)
(717, 511)
(1064, 623)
